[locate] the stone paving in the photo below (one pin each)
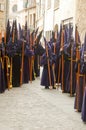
(32, 107)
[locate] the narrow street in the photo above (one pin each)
(31, 107)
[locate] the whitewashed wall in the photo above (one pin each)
(48, 24)
(81, 18)
(65, 11)
(20, 5)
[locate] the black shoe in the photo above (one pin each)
(54, 87)
(46, 87)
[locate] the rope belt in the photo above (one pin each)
(81, 75)
(72, 60)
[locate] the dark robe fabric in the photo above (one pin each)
(66, 75)
(68, 81)
(2, 79)
(28, 64)
(13, 51)
(16, 66)
(79, 86)
(45, 74)
(66, 71)
(26, 70)
(2, 67)
(57, 70)
(83, 114)
(36, 65)
(79, 94)
(66, 52)
(55, 46)
(58, 60)
(45, 77)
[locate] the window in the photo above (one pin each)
(56, 4)
(14, 8)
(1, 7)
(25, 3)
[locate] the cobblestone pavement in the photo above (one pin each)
(31, 107)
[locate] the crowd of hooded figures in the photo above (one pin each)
(63, 59)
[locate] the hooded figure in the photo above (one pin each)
(80, 82)
(28, 53)
(45, 81)
(83, 114)
(2, 70)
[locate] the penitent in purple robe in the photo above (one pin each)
(83, 114)
(45, 76)
(2, 79)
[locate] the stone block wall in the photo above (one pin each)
(81, 17)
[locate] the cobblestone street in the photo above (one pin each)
(31, 107)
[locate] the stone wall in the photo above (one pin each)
(81, 17)
(2, 14)
(2, 19)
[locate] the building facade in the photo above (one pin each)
(31, 14)
(12, 10)
(40, 11)
(81, 18)
(22, 11)
(57, 12)
(45, 14)
(3, 13)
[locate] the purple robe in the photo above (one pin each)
(2, 79)
(45, 75)
(83, 114)
(79, 94)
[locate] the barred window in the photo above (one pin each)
(56, 4)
